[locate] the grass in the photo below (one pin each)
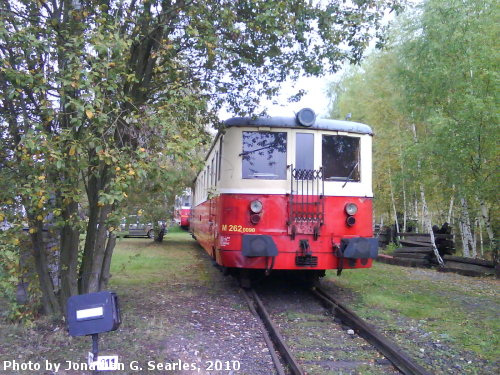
(144, 262)
(464, 312)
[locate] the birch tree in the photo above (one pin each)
(439, 66)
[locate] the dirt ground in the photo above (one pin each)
(179, 310)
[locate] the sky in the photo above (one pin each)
(315, 97)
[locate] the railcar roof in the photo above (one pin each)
(291, 122)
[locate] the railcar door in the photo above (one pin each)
(306, 204)
(213, 227)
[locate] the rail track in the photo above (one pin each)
(277, 344)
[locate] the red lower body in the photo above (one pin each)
(220, 224)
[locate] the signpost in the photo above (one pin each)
(91, 314)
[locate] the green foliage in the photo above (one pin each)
(448, 70)
(11, 273)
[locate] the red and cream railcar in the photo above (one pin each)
(182, 209)
(287, 193)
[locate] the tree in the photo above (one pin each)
(371, 93)
(434, 82)
(448, 71)
(95, 93)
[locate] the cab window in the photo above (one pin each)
(340, 157)
(264, 155)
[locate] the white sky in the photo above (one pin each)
(315, 97)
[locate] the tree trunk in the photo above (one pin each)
(480, 230)
(49, 300)
(465, 245)
(93, 187)
(99, 251)
(68, 260)
(489, 230)
(106, 264)
(416, 213)
(425, 214)
(450, 210)
(393, 202)
(467, 232)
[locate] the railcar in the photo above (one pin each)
(287, 193)
(182, 209)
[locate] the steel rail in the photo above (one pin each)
(267, 339)
(275, 336)
(388, 348)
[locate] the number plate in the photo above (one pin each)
(104, 362)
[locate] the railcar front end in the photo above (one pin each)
(182, 209)
(287, 194)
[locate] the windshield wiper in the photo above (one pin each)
(349, 175)
(257, 149)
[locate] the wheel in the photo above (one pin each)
(151, 234)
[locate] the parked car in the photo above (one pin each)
(131, 226)
(140, 230)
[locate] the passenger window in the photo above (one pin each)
(216, 166)
(304, 151)
(212, 175)
(264, 155)
(340, 158)
(220, 155)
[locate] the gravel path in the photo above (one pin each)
(210, 324)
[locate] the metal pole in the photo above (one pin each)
(95, 349)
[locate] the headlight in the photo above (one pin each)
(256, 206)
(351, 209)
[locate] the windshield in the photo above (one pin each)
(340, 157)
(264, 155)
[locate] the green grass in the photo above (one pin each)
(143, 261)
(437, 305)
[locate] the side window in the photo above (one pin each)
(220, 155)
(304, 151)
(216, 167)
(340, 157)
(264, 155)
(212, 175)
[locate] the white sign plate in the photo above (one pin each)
(104, 362)
(95, 312)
